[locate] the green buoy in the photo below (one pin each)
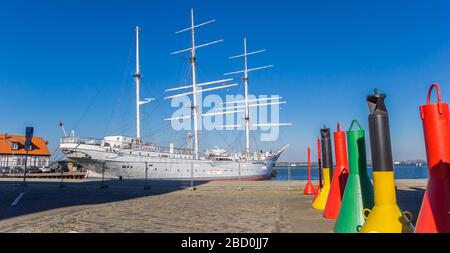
(358, 193)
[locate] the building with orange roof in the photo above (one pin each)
(13, 153)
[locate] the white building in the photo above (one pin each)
(13, 153)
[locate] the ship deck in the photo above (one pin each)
(124, 206)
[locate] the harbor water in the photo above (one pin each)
(301, 173)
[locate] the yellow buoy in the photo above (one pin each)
(327, 160)
(386, 216)
(321, 200)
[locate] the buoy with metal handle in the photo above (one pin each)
(358, 194)
(434, 216)
(327, 169)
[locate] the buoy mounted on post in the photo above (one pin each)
(434, 216)
(319, 166)
(386, 216)
(309, 188)
(340, 176)
(327, 169)
(358, 193)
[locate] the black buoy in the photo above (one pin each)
(386, 216)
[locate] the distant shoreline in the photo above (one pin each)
(369, 163)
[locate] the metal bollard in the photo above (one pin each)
(289, 179)
(146, 187)
(24, 183)
(240, 188)
(103, 186)
(192, 188)
(61, 184)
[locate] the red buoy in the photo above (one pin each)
(319, 165)
(309, 188)
(434, 216)
(340, 176)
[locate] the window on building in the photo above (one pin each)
(21, 161)
(14, 145)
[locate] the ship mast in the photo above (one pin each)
(137, 78)
(197, 87)
(246, 101)
(194, 86)
(247, 110)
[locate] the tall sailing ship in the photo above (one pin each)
(128, 157)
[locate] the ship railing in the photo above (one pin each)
(169, 150)
(240, 156)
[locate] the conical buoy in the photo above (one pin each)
(340, 176)
(386, 216)
(434, 216)
(358, 193)
(327, 168)
(319, 167)
(309, 188)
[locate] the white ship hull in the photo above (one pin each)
(139, 164)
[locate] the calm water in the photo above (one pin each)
(301, 173)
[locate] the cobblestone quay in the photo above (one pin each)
(82, 206)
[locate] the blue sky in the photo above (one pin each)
(73, 60)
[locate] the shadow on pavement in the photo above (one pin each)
(410, 200)
(46, 195)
